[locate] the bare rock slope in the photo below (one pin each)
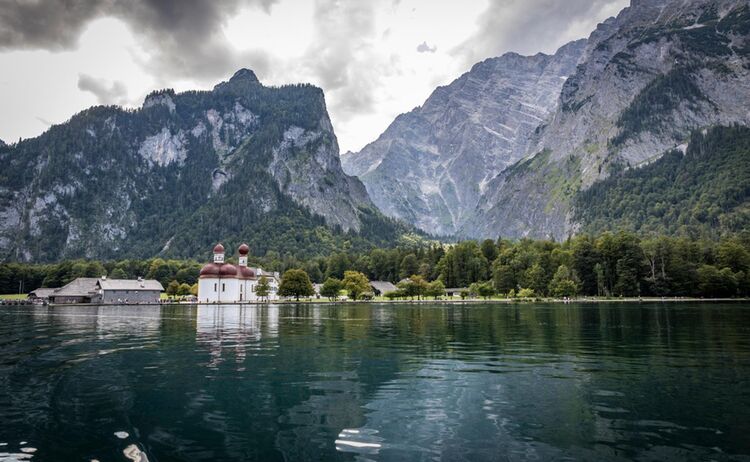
(649, 78)
(431, 165)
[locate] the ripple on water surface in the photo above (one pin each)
(375, 382)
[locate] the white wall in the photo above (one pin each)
(206, 292)
(210, 290)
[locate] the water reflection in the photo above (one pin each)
(376, 382)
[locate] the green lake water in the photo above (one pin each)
(596, 382)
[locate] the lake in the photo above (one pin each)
(597, 382)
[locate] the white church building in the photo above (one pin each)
(222, 282)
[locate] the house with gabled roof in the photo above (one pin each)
(382, 287)
(129, 290)
(80, 290)
(104, 290)
(41, 294)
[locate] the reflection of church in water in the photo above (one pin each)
(230, 331)
(228, 283)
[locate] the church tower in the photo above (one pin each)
(243, 251)
(219, 254)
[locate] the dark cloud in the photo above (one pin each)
(184, 36)
(530, 26)
(341, 56)
(425, 48)
(105, 92)
(51, 25)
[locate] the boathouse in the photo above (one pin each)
(41, 294)
(129, 290)
(80, 290)
(104, 290)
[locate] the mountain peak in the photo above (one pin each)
(242, 80)
(271, 149)
(244, 75)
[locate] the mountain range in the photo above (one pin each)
(508, 148)
(432, 165)
(640, 126)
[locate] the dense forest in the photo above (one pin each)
(609, 264)
(704, 192)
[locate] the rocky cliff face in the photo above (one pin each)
(306, 166)
(432, 165)
(650, 77)
(243, 162)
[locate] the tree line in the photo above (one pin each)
(608, 264)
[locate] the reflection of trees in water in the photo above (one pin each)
(281, 382)
(581, 378)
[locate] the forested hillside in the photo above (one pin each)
(241, 163)
(704, 192)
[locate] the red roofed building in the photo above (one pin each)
(222, 282)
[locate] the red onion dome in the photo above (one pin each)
(244, 249)
(219, 248)
(210, 270)
(228, 271)
(246, 273)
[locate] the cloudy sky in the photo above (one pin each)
(373, 58)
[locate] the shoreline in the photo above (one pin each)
(504, 301)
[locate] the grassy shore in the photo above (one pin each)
(442, 301)
(499, 300)
(13, 296)
(493, 300)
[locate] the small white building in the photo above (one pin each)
(227, 283)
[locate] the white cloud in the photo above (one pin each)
(360, 52)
